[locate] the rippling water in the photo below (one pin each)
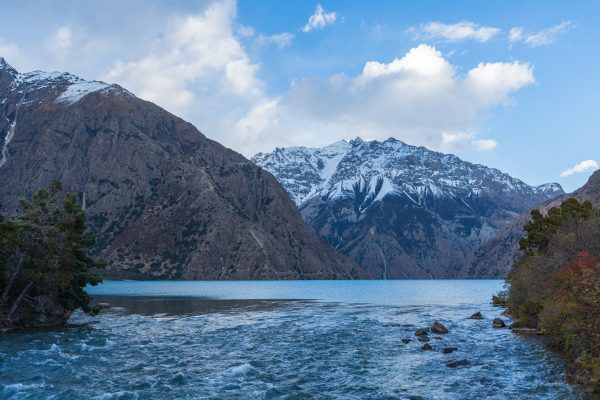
(288, 340)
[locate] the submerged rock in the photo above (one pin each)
(421, 332)
(438, 327)
(423, 338)
(426, 346)
(457, 363)
(405, 341)
(477, 315)
(448, 350)
(498, 323)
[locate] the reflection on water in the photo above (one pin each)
(178, 306)
(338, 340)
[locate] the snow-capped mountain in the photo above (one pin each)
(352, 190)
(386, 168)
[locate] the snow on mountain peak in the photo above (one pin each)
(378, 169)
(69, 88)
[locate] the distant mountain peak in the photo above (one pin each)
(333, 171)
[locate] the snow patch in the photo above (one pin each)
(77, 91)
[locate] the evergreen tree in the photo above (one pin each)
(44, 259)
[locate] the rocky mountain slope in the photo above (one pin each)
(401, 211)
(164, 200)
(495, 258)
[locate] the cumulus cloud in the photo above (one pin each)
(584, 166)
(541, 38)
(319, 19)
(455, 32)
(420, 98)
(199, 69)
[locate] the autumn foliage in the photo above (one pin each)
(555, 285)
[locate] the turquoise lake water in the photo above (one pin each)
(281, 340)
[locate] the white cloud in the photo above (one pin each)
(584, 166)
(246, 31)
(419, 98)
(197, 70)
(515, 34)
(281, 40)
(485, 144)
(465, 141)
(319, 19)
(455, 32)
(547, 36)
(200, 70)
(542, 38)
(60, 42)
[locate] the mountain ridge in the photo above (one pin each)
(440, 206)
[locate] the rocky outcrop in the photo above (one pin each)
(476, 315)
(402, 211)
(439, 328)
(498, 323)
(163, 200)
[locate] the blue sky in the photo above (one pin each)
(512, 85)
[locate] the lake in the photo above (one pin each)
(281, 340)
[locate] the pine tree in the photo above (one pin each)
(44, 260)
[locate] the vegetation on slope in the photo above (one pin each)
(44, 261)
(555, 286)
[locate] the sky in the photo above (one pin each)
(510, 84)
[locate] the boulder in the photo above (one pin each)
(424, 338)
(448, 350)
(437, 327)
(498, 323)
(477, 315)
(421, 332)
(457, 363)
(426, 346)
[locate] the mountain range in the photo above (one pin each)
(163, 200)
(402, 211)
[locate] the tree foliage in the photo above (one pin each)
(555, 285)
(44, 260)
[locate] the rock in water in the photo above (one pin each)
(437, 327)
(448, 350)
(457, 363)
(477, 315)
(498, 323)
(426, 346)
(421, 332)
(423, 338)
(163, 200)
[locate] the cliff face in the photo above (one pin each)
(402, 211)
(163, 200)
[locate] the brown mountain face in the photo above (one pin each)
(164, 201)
(495, 258)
